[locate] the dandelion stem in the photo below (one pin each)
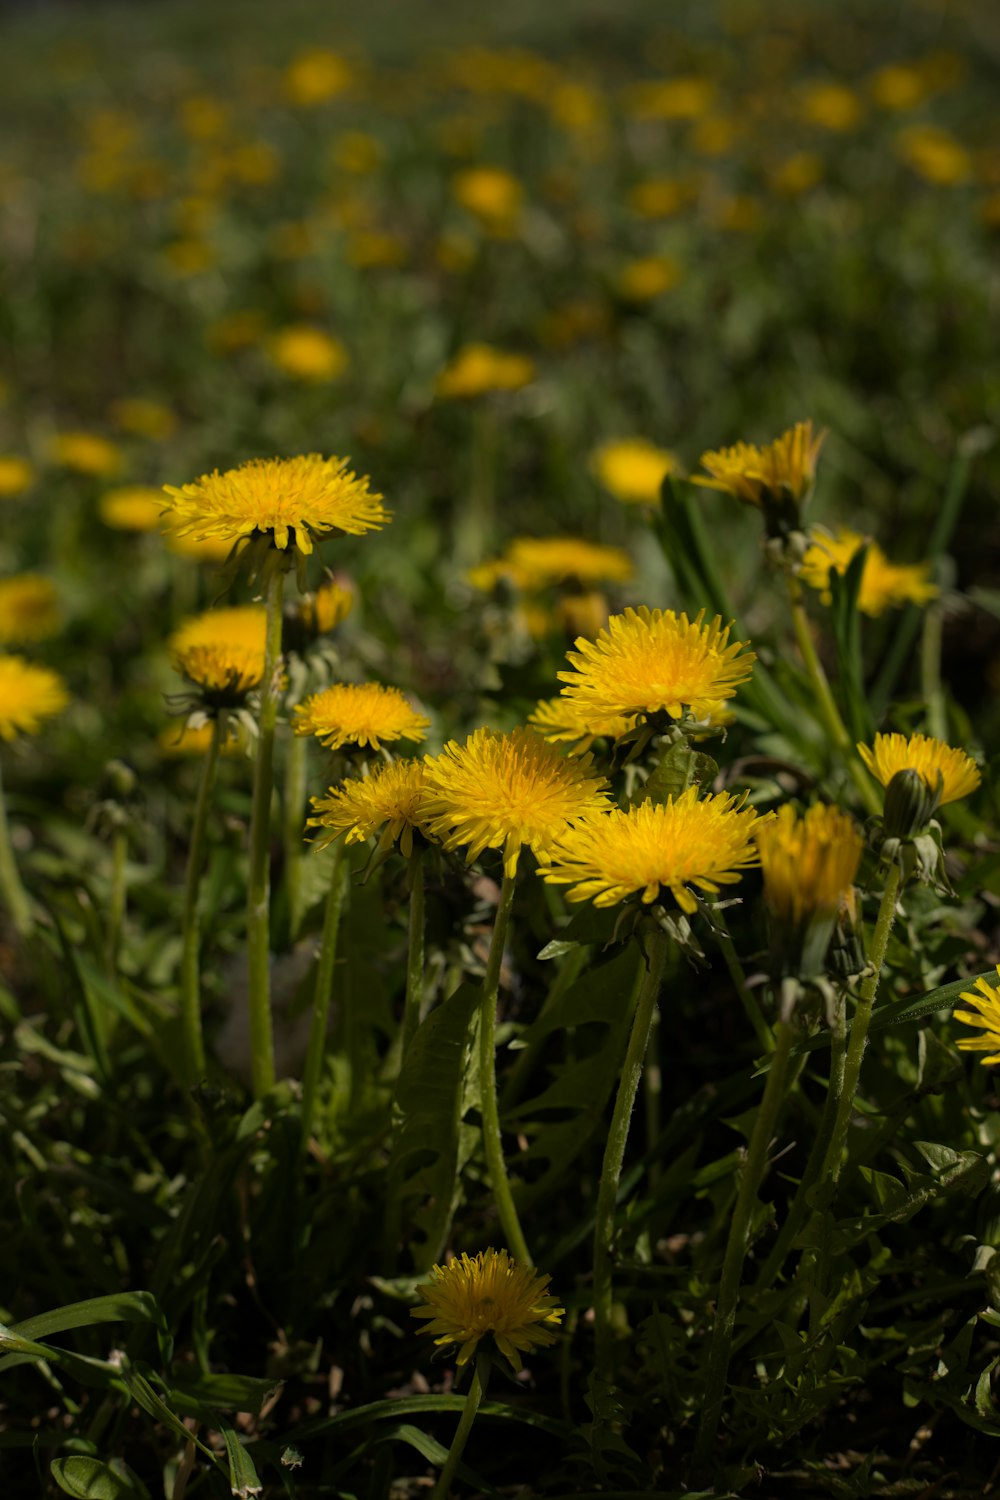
(737, 1244)
(930, 672)
(116, 898)
(473, 1400)
(614, 1152)
(825, 702)
(194, 1046)
(748, 1000)
(324, 988)
(296, 767)
(492, 1140)
(13, 892)
(414, 954)
(259, 881)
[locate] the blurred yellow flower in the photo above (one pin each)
(357, 152)
(884, 585)
(935, 155)
(145, 418)
(328, 607)
(501, 791)
(255, 163)
(225, 673)
(29, 608)
(242, 627)
(683, 843)
(494, 196)
(189, 257)
(16, 475)
(796, 174)
(386, 801)
(470, 1298)
(930, 758)
(374, 247)
(581, 614)
(808, 863)
(28, 695)
(365, 714)
(478, 369)
(633, 469)
(194, 739)
(307, 353)
(670, 99)
(658, 197)
(86, 453)
(534, 563)
(289, 499)
(715, 135)
(316, 76)
(783, 469)
(986, 1017)
(203, 117)
(897, 86)
(199, 549)
(833, 106)
(642, 280)
(132, 507)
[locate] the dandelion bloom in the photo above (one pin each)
(534, 563)
(935, 155)
(242, 627)
(308, 353)
(832, 106)
(28, 695)
(225, 673)
(784, 468)
(884, 585)
(144, 418)
(386, 802)
(930, 758)
(363, 713)
(504, 790)
(86, 453)
(287, 499)
(16, 475)
(808, 863)
(986, 1017)
(557, 719)
(488, 1294)
(655, 661)
(478, 369)
(632, 469)
(494, 196)
(316, 76)
(327, 608)
(642, 280)
(195, 739)
(29, 608)
(686, 841)
(131, 507)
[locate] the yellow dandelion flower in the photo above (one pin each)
(29, 608)
(145, 418)
(808, 863)
(317, 76)
(560, 721)
(357, 152)
(86, 453)
(243, 627)
(327, 608)
(785, 468)
(307, 353)
(363, 713)
(200, 549)
(658, 197)
(387, 802)
(490, 1293)
(684, 98)
(986, 1017)
(504, 790)
(494, 196)
(796, 174)
(633, 470)
(478, 369)
(884, 585)
(930, 758)
(896, 86)
(187, 739)
(935, 155)
(16, 475)
(643, 279)
(833, 106)
(534, 563)
(582, 614)
(28, 695)
(287, 499)
(655, 661)
(683, 843)
(224, 673)
(131, 507)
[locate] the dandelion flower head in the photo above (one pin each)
(131, 507)
(29, 608)
(289, 499)
(655, 661)
(559, 720)
(307, 353)
(488, 1293)
(930, 758)
(327, 608)
(144, 417)
(29, 695)
(505, 790)
(16, 475)
(365, 714)
(478, 369)
(633, 469)
(531, 564)
(491, 194)
(986, 1017)
(386, 802)
(86, 453)
(884, 585)
(784, 468)
(686, 842)
(808, 863)
(644, 279)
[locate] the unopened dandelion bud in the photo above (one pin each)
(910, 803)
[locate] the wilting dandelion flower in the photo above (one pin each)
(655, 661)
(884, 585)
(986, 1017)
(489, 1293)
(386, 802)
(632, 469)
(289, 500)
(808, 863)
(935, 762)
(478, 369)
(682, 843)
(363, 713)
(504, 790)
(29, 608)
(28, 696)
(782, 470)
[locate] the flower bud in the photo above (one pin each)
(910, 803)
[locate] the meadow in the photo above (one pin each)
(499, 850)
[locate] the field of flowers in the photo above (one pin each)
(499, 852)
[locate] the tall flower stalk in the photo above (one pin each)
(194, 1046)
(15, 897)
(323, 991)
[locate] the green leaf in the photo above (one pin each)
(845, 618)
(226, 1392)
(90, 1479)
(243, 1478)
(143, 1395)
(118, 1307)
(944, 998)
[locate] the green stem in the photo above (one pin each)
(825, 702)
(614, 1154)
(323, 990)
(194, 1046)
(748, 1000)
(259, 880)
(930, 672)
(116, 898)
(294, 801)
(14, 895)
(477, 1390)
(478, 524)
(414, 954)
(492, 1140)
(740, 1228)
